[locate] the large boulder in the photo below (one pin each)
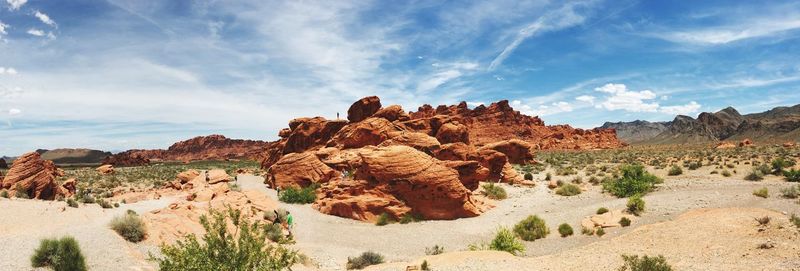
(34, 176)
(392, 113)
(746, 143)
(363, 108)
(300, 170)
(218, 176)
(517, 151)
(421, 183)
(105, 169)
(371, 131)
(310, 133)
(453, 132)
(455, 151)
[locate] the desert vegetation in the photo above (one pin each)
(59, 254)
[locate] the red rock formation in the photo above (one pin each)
(105, 169)
(789, 144)
(746, 143)
(517, 151)
(34, 176)
(725, 145)
(310, 133)
(131, 158)
(363, 108)
(392, 113)
(299, 170)
(453, 132)
(398, 180)
(371, 131)
(419, 141)
(499, 122)
(212, 147)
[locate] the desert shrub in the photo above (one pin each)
(528, 176)
(763, 192)
(494, 191)
(274, 232)
(594, 180)
(791, 192)
(424, 266)
(434, 250)
(242, 248)
(565, 230)
(87, 199)
(763, 221)
(675, 171)
(72, 203)
(568, 190)
(505, 240)
(60, 254)
(779, 164)
(280, 217)
(754, 175)
(548, 176)
(694, 165)
(531, 228)
(129, 226)
(726, 173)
(624, 221)
(577, 180)
(383, 220)
(795, 220)
(645, 263)
(19, 192)
(602, 210)
(763, 169)
(299, 196)
(409, 218)
(634, 180)
(365, 259)
(635, 205)
(600, 232)
(792, 175)
(587, 231)
(714, 172)
(105, 204)
(4, 194)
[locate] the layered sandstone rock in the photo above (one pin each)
(310, 133)
(105, 169)
(517, 151)
(34, 176)
(398, 180)
(371, 131)
(725, 145)
(392, 113)
(299, 170)
(363, 108)
(746, 143)
(131, 158)
(789, 144)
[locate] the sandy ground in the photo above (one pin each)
(329, 240)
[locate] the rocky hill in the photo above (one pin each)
(73, 156)
(776, 125)
(212, 147)
(385, 161)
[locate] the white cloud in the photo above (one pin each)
(438, 79)
(749, 27)
(3, 28)
(14, 112)
(585, 98)
(45, 19)
(623, 99)
(36, 32)
(691, 107)
(542, 110)
(474, 104)
(16, 4)
(561, 18)
(9, 71)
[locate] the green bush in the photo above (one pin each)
(645, 263)
(528, 176)
(410, 218)
(779, 164)
(424, 266)
(763, 169)
(531, 228)
(634, 180)
(602, 210)
(792, 175)
(726, 173)
(504, 240)
(434, 250)
(105, 204)
(675, 171)
(600, 232)
(299, 196)
(383, 220)
(274, 232)
(754, 175)
(791, 192)
(763, 192)
(795, 220)
(19, 192)
(565, 230)
(61, 255)
(365, 259)
(635, 205)
(130, 227)
(493, 191)
(568, 190)
(624, 221)
(548, 176)
(4, 194)
(243, 248)
(694, 165)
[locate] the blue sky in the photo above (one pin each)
(122, 74)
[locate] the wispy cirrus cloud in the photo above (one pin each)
(44, 18)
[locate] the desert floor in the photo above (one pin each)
(673, 225)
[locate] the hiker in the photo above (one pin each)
(289, 222)
(207, 176)
(337, 115)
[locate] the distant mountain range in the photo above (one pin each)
(776, 125)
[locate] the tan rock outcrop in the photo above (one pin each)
(105, 169)
(725, 145)
(218, 176)
(34, 176)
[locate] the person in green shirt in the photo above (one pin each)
(289, 222)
